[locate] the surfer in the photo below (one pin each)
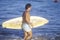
(55, 1)
(26, 23)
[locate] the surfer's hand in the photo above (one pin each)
(31, 24)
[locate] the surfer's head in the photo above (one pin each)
(28, 7)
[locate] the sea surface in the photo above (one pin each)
(48, 9)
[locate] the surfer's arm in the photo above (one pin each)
(27, 19)
(31, 25)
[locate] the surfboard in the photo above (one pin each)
(16, 23)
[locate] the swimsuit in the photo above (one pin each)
(26, 27)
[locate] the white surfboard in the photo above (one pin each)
(17, 22)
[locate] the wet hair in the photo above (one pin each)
(27, 6)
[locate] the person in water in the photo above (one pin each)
(26, 25)
(55, 0)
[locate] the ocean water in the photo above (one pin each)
(44, 8)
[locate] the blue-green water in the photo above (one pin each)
(45, 8)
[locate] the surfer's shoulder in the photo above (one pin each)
(24, 12)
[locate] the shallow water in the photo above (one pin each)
(45, 8)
